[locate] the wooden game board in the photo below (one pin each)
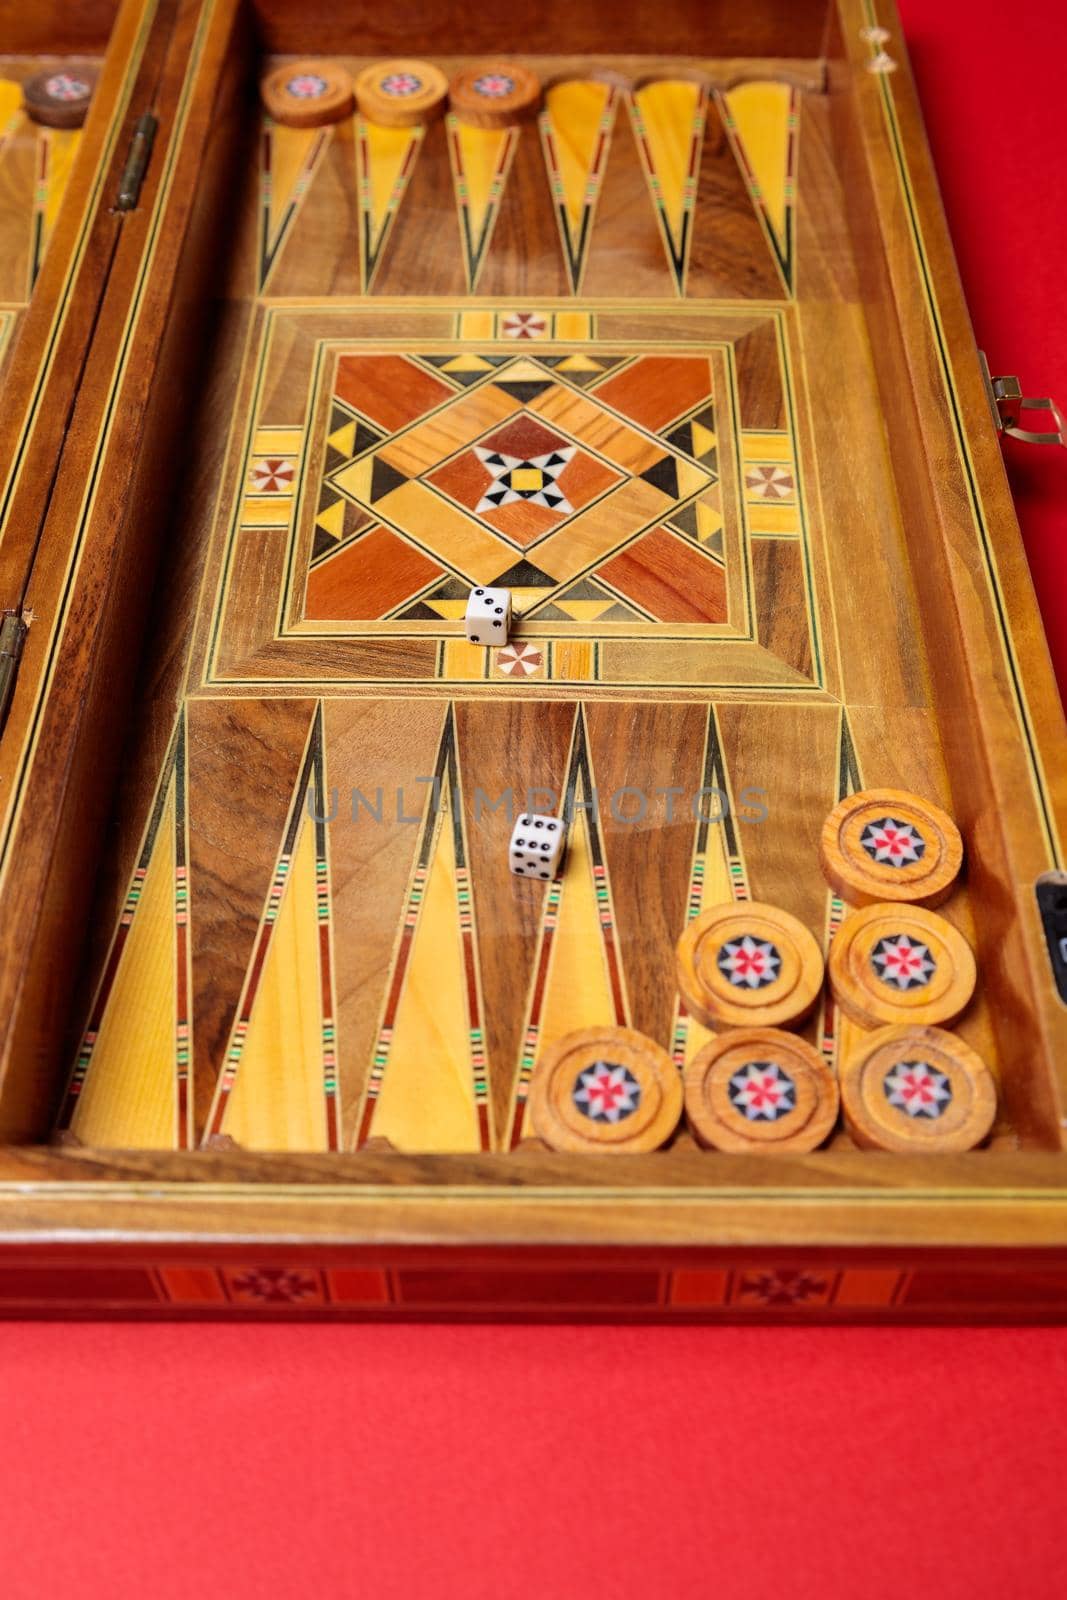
(284, 1041)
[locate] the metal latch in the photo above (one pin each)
(1007, 403)
(13, 631)
(144, 137)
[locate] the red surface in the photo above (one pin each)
(331, 1462)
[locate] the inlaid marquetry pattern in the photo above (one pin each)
(566, 478)
(345, 956)
(700, 159)
(35, 168)
(131, 1080)
(757, 1291)
(614, 485)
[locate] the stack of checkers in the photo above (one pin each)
(401, 93)
(897, 967)
(60, 97)
(749, 971)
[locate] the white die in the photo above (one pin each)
(488, 618)
(536, 848)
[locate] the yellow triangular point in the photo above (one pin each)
(704, 441)
(128, 1098)
(690, 478)
(332, 520)
(579, 363)
(468, 364)
(524, 599)
(525, 370)
(759, 116)
(671, 122)
(578, 987)
(277, 1101)
(481, 153)
(576, 111)
(709, 520)
(585, 610)
(427, 1095)
(355, 480)
(452, 609)
(343, 440)
(290, 152)
(387, 151)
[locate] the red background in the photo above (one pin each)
(304, 1461)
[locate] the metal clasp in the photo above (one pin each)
(1007, 403)
(144, 136)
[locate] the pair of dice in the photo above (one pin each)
(536, 848)
(488, 619)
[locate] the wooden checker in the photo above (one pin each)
(401, 94)
(887, 844)
(760, 1090)
(495, 94)
(748, 965)
(896, 963)
(307, 94)
(912, 1089)
(60, 97)
(605, 1090)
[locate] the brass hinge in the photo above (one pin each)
(144, 137)
(13, 631)
(1007, 402)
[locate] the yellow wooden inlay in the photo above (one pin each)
(278, 442)
(575, 325)
(709, 520)
(765, 518)
(760, 115)
(669, 110)
(264, 513)
(290, 153)
(386, 151)
(572, 659)
(576, 110)
(427, 1095)
(457, 538)
(463, 659)
(476, 324)
(278, 1100)
(578, 985)
(129, 1097)
(766, 447)
(481, 154)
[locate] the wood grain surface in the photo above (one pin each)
(719, 289)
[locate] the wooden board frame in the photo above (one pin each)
(838, 1236)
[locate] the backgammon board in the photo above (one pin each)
(651, 322)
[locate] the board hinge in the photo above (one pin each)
(1007, 403)
(140, 153)
(13, 631)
